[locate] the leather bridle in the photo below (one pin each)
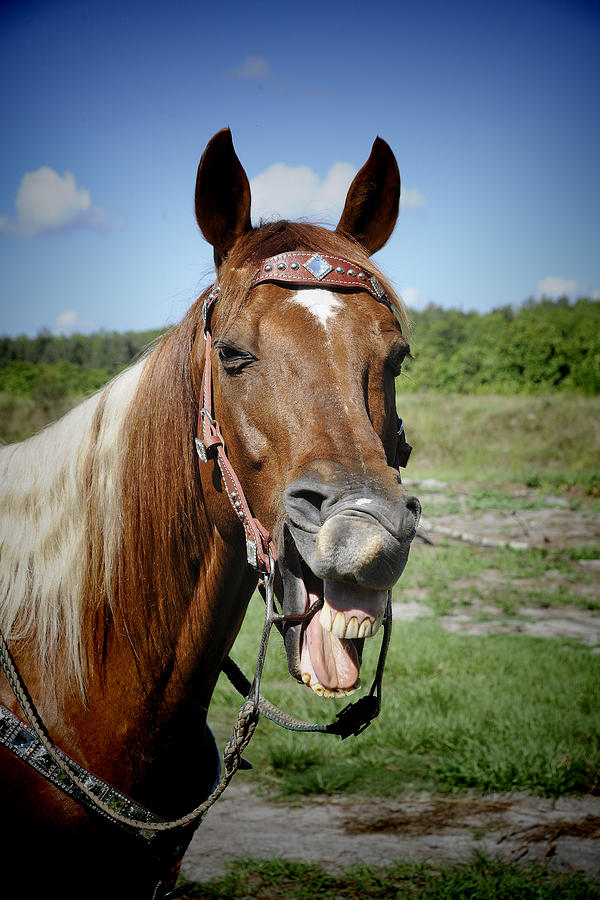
(298, 268)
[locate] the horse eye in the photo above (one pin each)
(228, 354)
(232, 357)
(396, 359)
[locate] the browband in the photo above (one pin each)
(301, 267)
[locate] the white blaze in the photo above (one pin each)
(321, 302)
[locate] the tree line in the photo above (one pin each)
(543, 345)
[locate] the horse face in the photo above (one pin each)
(303, 384)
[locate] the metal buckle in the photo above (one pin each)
(251, 555)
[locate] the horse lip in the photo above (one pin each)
(372, 555)
(349, 508)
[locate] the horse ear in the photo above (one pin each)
(222, 196)
(373, 199)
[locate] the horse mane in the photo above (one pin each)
(44, 520)
(102, 523)
(154, 565)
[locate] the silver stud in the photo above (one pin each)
(295, 265)
(281, 266)
(351, 272)
(362, 276)
(268, 268)
(339, 269)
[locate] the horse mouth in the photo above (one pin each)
(328, 623)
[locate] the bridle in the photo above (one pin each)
(297, 268)
(31, 742)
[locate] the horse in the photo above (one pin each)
(257, 440)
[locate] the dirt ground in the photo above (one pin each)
(339, 832)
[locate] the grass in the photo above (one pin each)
(450, 576)
(482, 878)
(547, 441)
(21, 416)
(489, 713)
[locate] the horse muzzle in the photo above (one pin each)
(344, 545)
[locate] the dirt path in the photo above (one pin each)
(339, 832)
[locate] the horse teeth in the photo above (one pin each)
(365, 629)
(338, 626)
(375, 625)
(329, 693)
(352, 628)
(325, 617)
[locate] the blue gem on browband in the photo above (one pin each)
(318, 267)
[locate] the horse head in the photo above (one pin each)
(306, 344)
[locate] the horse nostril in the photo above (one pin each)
(413, 506)
(303, 503)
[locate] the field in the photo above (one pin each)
(481, 776)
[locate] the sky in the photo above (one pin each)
(492, 110)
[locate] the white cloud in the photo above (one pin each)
(69, 321)
(65, 322)
(292, 192)
(411, 297)
(412, 199)
(47, 202)
(252, 68)
(556, 286)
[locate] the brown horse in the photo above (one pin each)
(124, 576)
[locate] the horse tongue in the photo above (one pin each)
(334, 659)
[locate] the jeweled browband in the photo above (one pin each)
(302, 267)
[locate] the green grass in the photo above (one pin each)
(549, 441)
(450, 575)
(480, 879)
(21, 416)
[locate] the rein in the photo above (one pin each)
(32, 743)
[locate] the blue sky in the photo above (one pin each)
(492, 110)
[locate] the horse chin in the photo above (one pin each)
(324, 649)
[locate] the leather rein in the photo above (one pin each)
(30, 740)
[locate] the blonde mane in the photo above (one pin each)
(44, 516)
